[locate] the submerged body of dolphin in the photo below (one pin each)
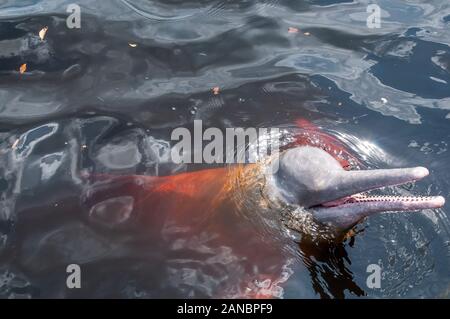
(313, 175)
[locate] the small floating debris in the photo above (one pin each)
(216, 90)
(292, 30)
(43, 32)
(438, 80)
(23, 68)
(384, 100)
(133, 45)
(16, 142)
(413, 143)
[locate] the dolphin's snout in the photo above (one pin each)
(420, 172)
(350, 208)
(440, 201)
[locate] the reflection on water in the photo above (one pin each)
(328, 265)
(91, 103)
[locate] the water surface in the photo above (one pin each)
(90, 102)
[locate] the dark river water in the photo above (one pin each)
(105, 98)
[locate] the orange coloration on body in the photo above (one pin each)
(188, 196)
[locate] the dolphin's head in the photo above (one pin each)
(310, 177)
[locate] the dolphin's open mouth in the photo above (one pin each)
(355, 183)
(357, 204)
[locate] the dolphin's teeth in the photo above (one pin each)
(367, 198)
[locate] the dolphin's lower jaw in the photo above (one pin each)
(344, 213)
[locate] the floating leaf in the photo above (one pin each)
(43, 32)
(23, 68)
